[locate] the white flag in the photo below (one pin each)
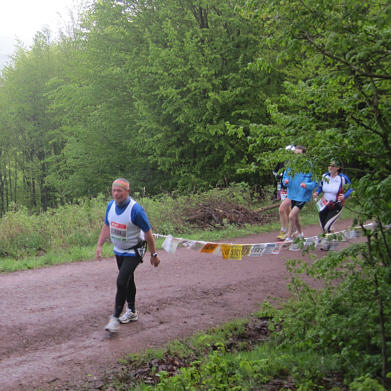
(170, 244)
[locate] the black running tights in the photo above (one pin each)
(328, 216)
(126, 288)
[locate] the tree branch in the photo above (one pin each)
(356, 69)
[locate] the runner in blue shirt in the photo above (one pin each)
(128, 227)
(300, 186)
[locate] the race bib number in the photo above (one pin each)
(283, 194)
(321, 204)
(118, 231)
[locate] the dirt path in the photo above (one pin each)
(52, 319)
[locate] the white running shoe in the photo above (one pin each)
(325, 244)
(128, 316)
(113, 325)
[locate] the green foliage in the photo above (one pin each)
(27, 127)
(20, 234)
(337, 85)
(213, 367)
(183, 96)
(342, 319)
(158, 93)
(365, 383)
(23, 234)
(71, 231)
(335, 57)
(193, 83)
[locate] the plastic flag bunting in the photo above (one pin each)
(235, 252)
(170, 244)
(269, 248)
(238, 251)
(246, 249)
(257, 249)
(225, 249)
(209, 248)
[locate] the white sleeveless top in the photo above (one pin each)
(331, 187)
(123, 233)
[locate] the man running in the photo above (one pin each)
(128, 227)
(300, 186)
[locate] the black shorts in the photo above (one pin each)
(299, 204)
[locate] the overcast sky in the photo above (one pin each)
(21, 19)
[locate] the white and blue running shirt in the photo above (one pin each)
(127, 225)
(331, 187)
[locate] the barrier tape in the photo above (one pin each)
(237, 251)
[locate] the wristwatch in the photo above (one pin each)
(154, 255)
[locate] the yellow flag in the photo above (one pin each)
(225, 249)
(246, 249)
(235, 252)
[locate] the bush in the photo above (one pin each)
(23, 234)
(78, 225)
(349, 319)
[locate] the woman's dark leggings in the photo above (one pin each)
(126, 288)
(328, 216)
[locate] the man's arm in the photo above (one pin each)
(152, 248)
(104, 234)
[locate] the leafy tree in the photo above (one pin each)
(94, 104)
(27, 123)
(8, 170)
(151, 92)
(192, 83)
(336, 59)
(335, 56)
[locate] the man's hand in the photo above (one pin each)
(104, 234)
(155, 260)
(99, 253)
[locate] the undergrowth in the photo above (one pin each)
(246, 354)
(337, 338)
(312, 342)
(70, 233)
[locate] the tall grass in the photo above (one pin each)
(23, 234)
(70, 233)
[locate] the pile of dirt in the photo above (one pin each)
(219, 214)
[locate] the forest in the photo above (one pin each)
(182, 96)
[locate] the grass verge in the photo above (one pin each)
(239, 355)
(74, 248)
